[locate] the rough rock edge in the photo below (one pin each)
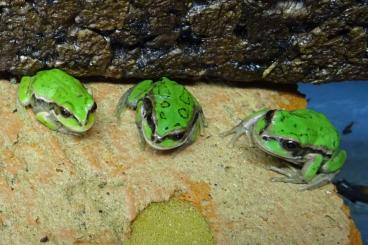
(229, 40)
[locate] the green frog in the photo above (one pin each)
(303, 137)
(167, 114)
(59, 101)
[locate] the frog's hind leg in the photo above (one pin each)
(122, 104)
(24, 94)
(132, 96)
(335, 163)
(329, 170)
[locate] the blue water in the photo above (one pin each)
(343, 103)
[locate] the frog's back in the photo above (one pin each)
(174, 105)
(56, 85)
(308, 127)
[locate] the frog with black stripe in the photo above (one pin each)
(167, 114)
(304, 137)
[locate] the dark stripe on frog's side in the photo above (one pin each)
(148, 115)
(45, 106)
(268, 118)
(299, 150)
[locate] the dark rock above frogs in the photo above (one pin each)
(248, 40)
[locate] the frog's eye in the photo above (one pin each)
(289, 144)
(265, 137)
(93, 108)
(65, 113)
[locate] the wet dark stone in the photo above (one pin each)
(273, 41)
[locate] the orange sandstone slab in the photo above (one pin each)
(87, 190)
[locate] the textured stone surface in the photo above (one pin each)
(231, 40)
(87, 190)
(172, 222)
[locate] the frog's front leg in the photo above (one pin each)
(244, 127)
(48, 120)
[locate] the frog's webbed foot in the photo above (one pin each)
(319, 181)
(237, 132)
(295, 176)
(244, 127)
(291, 175)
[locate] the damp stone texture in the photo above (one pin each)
(228, 40)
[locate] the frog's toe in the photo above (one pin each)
(294, 179)
(227, 133)
(203, 120)
(291, 175)
(288, 172)
(142, 141)
(237, 132)
(235, 138)
(202, 124)
(319, 181)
